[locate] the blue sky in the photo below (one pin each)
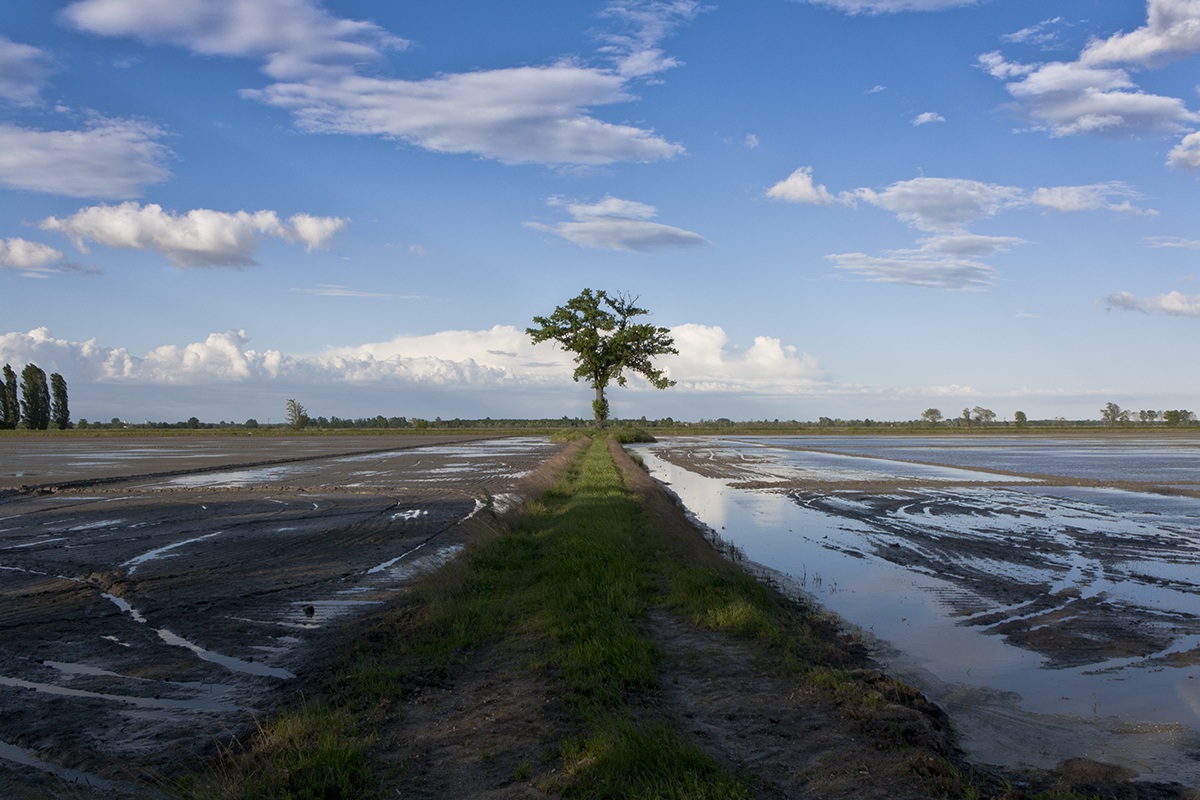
(842, 208)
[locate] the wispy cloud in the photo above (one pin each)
(522, 114)
(23, 71)
(616, 224)
(109, 158)
(945, 207)
(199, 238)
(1174, 304)
(337, 290)
(889, 6)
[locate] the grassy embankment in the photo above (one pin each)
(564, 596)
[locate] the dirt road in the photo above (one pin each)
(153, 592)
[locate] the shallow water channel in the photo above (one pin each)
(1045, 592)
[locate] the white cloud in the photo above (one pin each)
(928, 117)
(526, 114)
(199, 238)
(27, 256)
(1172, 31)
(751, 141)
(799, 188)
(23, 71)
(500, 356)
(110, 158)
(708, 363)
(1069, 98)
(535, 114)
(1186, 154)
(296, 38)
(1112, 196)
(926, 268)
(942, 204)
(338, 290)
(1173, 241)
(1172, 304)
(646, 24)
(1093, 94)
(1035, 34)
(616, 224)
(889, 6)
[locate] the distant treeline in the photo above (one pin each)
(381, 423)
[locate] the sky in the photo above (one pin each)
(840, 208)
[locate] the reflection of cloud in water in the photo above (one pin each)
(933, 572)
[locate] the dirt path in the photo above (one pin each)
(492, 729)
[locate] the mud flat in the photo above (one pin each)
(154, 592)
(1046, 593)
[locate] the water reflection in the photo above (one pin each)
(1006, 597)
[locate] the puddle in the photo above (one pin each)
(1064, 606)
(150, 555)
(19, 755)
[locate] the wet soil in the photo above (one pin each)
(152, 600)
(265, 576)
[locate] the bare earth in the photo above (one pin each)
(143, 620)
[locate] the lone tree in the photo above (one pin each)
(597, 328)
(297, 416)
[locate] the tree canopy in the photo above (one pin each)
(597, 328)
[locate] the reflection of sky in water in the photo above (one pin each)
(1126, 458)
(834, 558)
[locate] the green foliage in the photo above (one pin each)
(60, 413)
(35, 398)
(596, 328)
(297, 416)
(10, 409)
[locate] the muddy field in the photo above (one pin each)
(1047, 594)
(154, 592)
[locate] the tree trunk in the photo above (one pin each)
(600, 406)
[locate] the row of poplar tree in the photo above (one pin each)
(41, 403)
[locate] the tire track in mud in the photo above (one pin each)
(142, 619)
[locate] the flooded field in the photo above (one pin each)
(1045, 592)
(154, 592)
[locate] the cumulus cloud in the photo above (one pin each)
(1172, 31)
(889, 6)
(616, 224)
(500, 356)
(928, 117)
(199, 238)
(799, 188)
(1094, 94)
(526, 114)
(1172, 304)
(110, 158)
(23, 71)
(31, 258)
(1186, 154)
(707, 362)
